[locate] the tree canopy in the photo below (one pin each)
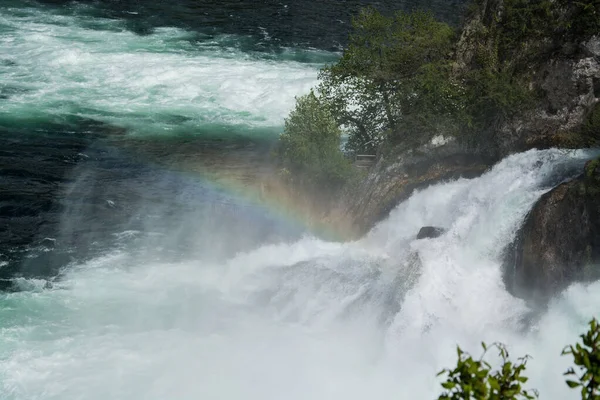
(391, 67)
(309, 146)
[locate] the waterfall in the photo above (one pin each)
(306, 319)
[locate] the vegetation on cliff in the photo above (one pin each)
(590, 131)
(391, 80)
(510, 79)
(406, 78)
(508, 42)
(393, 86)
(310, 146)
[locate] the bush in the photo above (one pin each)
(582, 17)
(525, 20)
(309, 147)
(586, 357)
(591, 127)
(476, 380)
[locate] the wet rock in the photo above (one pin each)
(559, 243)
(430, 232)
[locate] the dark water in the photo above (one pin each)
(292, 23)
(72, 185)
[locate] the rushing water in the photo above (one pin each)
(132, 277)
(303, 320)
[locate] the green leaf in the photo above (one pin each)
(573, 384)
(448, 385)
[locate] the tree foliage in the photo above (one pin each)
(475, 379)
(309, 147)
(586, 356)
(392, 65)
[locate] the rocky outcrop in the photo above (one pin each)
(562, 74)
(430, 232)
(560, 241)
(395, 176)
(570, 88)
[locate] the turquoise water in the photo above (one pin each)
(58, 67)
(186, 291)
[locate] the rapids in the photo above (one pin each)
(172, 81)
(174, 288)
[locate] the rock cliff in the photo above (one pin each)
(560, 70)
(560, 240)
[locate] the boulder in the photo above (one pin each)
(559, 243)
(430, 232)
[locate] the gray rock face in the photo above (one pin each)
(592, 47)
(566, 75)
(560, 241)
(570, 88)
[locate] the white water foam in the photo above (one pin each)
(160, 83)
(375, 318)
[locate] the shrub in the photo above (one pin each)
(582, 17)
(586, 357)
(591, 127)
(309, 147)
(476, 380)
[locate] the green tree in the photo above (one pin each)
(309, 147)
(474, 379)
(586, 357)
(384, 73)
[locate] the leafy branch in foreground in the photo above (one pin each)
(587, 358)
(475, 379)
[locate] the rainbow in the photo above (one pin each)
(266, 196)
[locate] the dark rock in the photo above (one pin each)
(430, 232)
(560, 241)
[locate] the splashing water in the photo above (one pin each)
(377, 317)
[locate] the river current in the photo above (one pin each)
(128, 272)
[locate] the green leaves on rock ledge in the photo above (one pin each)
(309, 147)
